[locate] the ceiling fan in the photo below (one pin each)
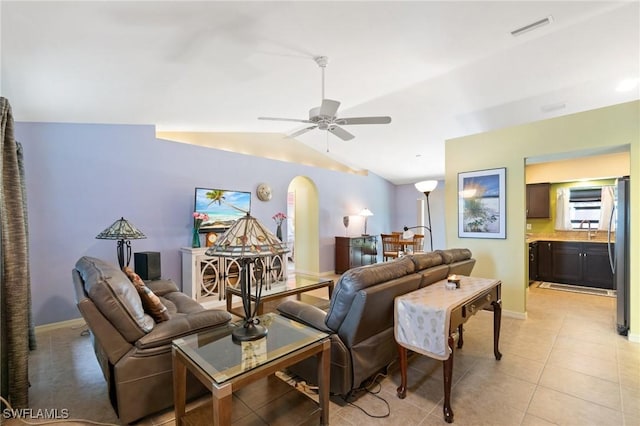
(324, 117)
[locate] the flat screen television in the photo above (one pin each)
(223, 207)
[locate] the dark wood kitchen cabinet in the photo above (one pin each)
(355, 251)
(567, 262)
(575, 262)
(545, 258)
(538, 200)
(596, 269)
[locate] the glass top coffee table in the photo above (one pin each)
(294, 284)
(224, 366)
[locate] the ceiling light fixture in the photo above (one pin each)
(532, 26)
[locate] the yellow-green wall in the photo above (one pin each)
(505, 259)
(547, 226)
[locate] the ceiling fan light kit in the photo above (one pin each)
(324, 117)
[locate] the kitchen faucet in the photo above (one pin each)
(588, 228)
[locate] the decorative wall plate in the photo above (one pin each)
(263, 192)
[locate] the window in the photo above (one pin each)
(584, 208)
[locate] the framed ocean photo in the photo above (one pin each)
(482, 204)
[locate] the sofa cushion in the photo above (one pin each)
(181, 303)
(359, 278)
(151, 303)
(115, 296)
(162, 287)
(454, 255)
(426, 260)
(182, 325)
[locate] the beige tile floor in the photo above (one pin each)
(564, 365)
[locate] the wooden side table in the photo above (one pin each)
(448, 310)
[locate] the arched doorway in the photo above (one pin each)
(303, 233)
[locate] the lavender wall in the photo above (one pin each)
(81, 178)
(406, 212)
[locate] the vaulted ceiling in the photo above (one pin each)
(439, 69)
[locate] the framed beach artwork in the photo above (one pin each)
(222, 206)
(482, 204)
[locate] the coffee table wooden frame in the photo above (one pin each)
(222, 393)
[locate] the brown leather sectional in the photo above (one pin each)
(360, 315)
(133, 350)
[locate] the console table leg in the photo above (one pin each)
(447, 373)
(497, 316)
(402, 389)
(460, 339)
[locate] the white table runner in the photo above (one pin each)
(422, 317)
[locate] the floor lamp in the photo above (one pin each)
(426, 186)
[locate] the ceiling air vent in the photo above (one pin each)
(532, 26)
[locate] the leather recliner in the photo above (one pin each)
(133, 351)
(360, 317)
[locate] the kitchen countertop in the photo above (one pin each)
(571, 236)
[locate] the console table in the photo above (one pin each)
(205, 278)
(352, 252)
(445, 310)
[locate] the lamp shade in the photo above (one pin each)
(247, 241)
(426, 186)
(365, 212)
(247, 238)
(121, 229)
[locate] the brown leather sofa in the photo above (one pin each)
(360, 315)
(133, 351)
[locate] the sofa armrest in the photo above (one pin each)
(181, 325)
(305, 313)
(161, 287)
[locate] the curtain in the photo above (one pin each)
(16, 324)
(606, 208)
(563, 221)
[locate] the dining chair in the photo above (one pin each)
(418, 243)
(390, 246)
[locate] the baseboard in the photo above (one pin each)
(514, 314)
(76, 322)
(633, 337)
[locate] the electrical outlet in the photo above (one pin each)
(528, 227)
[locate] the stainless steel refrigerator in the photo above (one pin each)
(619, 253)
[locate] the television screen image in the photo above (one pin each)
(223, 207)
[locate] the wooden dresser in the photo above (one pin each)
(352, 252)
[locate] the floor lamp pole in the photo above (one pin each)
(429, 220)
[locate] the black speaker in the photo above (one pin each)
(147, 264)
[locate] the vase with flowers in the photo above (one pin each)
(198, 219)
(278, 218)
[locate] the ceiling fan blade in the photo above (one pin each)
(341, 133)
(297, 120)
(329, 108)
(301, 131)
(364, 120)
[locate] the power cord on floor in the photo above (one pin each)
(84, 327)
(9, 413)
(366, 388)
